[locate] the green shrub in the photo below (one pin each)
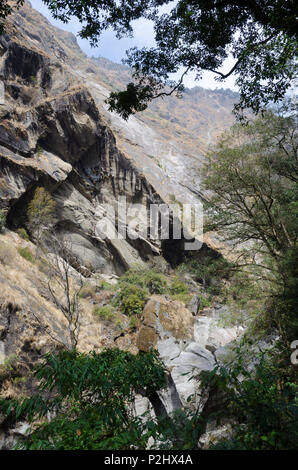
(155, 282)
(179, 287)
(106, 285)
(133, 277)
(130, 289)
(133, 323)
(131, 298)
(132, 305)
(262, 401)
(22, 232)
(180, 291)
(185, 298)
(204, 302)
(92, 395)
(105, 313)
(27, 254)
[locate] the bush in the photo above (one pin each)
(133, 323)
(132, 305)
(204, 303)
(131, 298)
(27, 254)
(105, 313)
(22, 232)
(180, 291)
(92, 395)
(106, 285)
(185, 298)
(155, 282)
(262, 400)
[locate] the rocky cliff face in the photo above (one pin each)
(56, 132)
(53, 134)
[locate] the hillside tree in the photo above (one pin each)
(251, 182)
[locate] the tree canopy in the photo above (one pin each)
(251, 178)
(196, 36)
(91, 400)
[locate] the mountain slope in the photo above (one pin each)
(168, 140)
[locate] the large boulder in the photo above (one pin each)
(165, 322)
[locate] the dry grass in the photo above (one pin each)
(7, 254)
(23, 284)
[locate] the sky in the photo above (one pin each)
(112, 48)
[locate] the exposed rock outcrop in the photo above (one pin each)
(186, 344)
(53, 134)
(56, 131)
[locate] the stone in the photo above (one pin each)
(146, 339)
(215, 434)
(169, 317)
(194, 305)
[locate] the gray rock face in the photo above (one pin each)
(53, 134)
(194, 305)
(210, 335)
(56, 131)
(186, 358)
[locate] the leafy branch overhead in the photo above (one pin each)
(196, 36)
(91, 400)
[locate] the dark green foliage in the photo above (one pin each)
(179, 290)
(155, 282)
(133, 304)
(179, 287)
(133, 323)
(180, 431)
(263, 400)
(208, 271)
(131, 299)
(135, 286)
(92, 397)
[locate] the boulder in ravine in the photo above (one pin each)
(162, 320)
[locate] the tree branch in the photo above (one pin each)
(226, 75)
